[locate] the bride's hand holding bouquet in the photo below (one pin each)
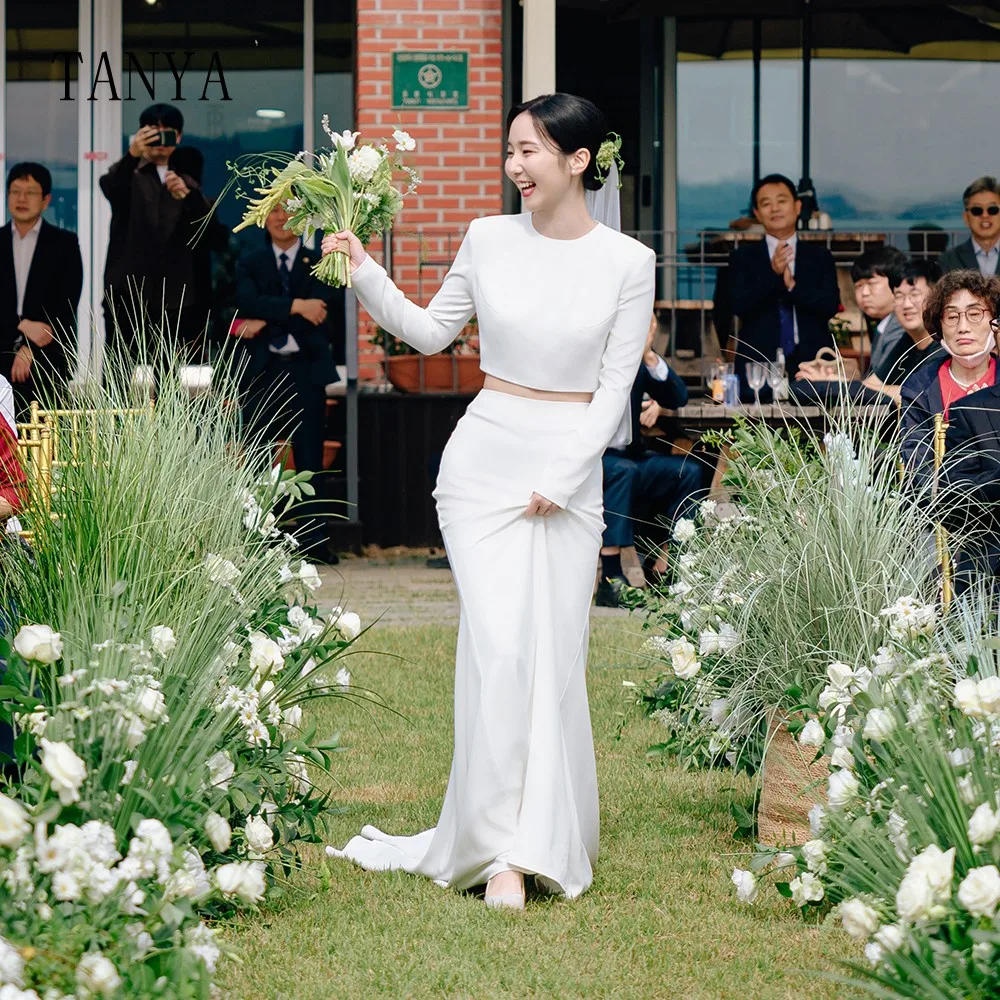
(348, 191)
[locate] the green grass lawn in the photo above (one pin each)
(659, 921)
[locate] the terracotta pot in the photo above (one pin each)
(441, 372)
(283, 454)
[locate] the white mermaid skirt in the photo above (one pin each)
(523, 787)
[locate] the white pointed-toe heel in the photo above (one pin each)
(504, 901)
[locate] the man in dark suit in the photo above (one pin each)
(783, 290)
(287, 320)
(981, 252)
(41, 276)
(151, 272)
(642, 485)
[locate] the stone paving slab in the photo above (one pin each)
(400, 589)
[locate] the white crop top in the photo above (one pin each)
(558, 315)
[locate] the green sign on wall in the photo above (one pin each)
(430, 79)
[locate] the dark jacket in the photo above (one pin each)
(962, 258)
(671, 393)
(152, 235)
(755, 291)
(970, 479)
(920, 400)
(259, 296)
(52, 296)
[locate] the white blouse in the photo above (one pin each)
(557, 315)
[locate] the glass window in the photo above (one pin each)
(40, 125)
(938, 117)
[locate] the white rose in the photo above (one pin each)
(937, 866)
(349, 624)
(163, 639)
(967, 698)
(831, 696)
(343, 678)
(967, 790)
(885, 661)
(308, 574)
(684, 529)
(292, 717)
(11, 964)
(746, 885)
(220, 570)
(258, 834)
(879, 724)
(813, 734)
(220, 770)
(405, 143)
(842, 787)
(719, 710)
(988, 690)
(785, 860)
(889, 937)
(840, 675)
(708, 643)
(363, 163)
(297, 617)
(814, 855)
(243, 879)
(39, 643)
(684, 659)
(150, 704)
(265, 655)
(14, 825)
(979, 891)
(65, 769)
(135, 732)
(858, 918)
(728, 639)
(983, 825)
(806, 889)
(842, 757)
(219, 831)
(97, 974)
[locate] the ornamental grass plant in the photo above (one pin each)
(162, 642)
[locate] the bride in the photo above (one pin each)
(563, 305)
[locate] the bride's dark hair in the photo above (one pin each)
(569, 123)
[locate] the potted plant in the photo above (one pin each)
(455, 369)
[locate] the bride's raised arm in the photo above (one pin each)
(428, 329)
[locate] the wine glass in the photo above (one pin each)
(756, 374)
(775, 373)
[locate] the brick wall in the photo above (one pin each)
(458, 153)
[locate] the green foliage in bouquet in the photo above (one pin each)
(348, 187)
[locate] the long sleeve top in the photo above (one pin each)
(556, 315)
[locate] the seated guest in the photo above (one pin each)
(958, 313)
(639, 481)
(911, 286)
(784, 290)
(982, 215)
(41, 277)
(874, 274)
(285, 314)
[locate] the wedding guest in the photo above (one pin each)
(958, 313)
(910, 285)
(874, 274)
(784, 290)
(981, 251)
(640, 484)
(41, 277)
(286, 316)
(150, 276)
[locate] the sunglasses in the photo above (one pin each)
(978, 210)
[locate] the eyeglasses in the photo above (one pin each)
(914, 295)
(978, 210)
(974, 314)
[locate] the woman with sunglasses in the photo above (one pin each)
(982, 215)
(958, 313)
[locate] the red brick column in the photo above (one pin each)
(458, 154)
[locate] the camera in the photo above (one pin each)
(165, 137)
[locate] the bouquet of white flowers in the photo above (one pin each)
(348, 188)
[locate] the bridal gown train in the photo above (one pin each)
(522, 793)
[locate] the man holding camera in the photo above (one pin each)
(151, 291)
